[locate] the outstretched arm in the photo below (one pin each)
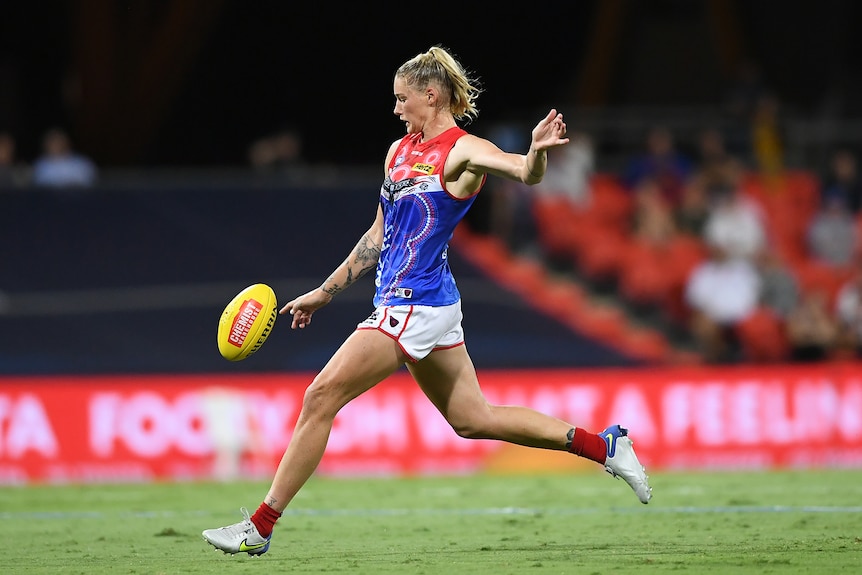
(548, 133)
(363, 258)
(481, 156)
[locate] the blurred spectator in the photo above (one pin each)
(721, 292)
(12, 173)
(812, 331)
(767, 147)
(843, 180)
(692, 212)
(280, 150)
(779, 289)
(60, 166)
(761, 334)
(848, 311)
(716, 170)
(652, 216)
(661, 162)
(832, 232)
(735, 224)
(570, 169)
(715, 165)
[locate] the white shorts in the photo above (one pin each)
(419, 329)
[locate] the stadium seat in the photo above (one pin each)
(788, 205)
(643, 278)
(562, 299)
(556, 222)
(610, 203)
(762, 337)
(600, 258)
(817, 276)
(650, 275)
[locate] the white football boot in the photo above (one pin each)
(622, 462)
(242, 537)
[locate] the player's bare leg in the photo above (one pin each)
(363, 360)
(449, 380)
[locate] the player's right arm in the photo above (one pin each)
(361, 260)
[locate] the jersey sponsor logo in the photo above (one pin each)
(426, 169)
(394, 189)
(404, 292)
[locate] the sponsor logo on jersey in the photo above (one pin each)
(426, 169)
(394, 189)
(404, 292)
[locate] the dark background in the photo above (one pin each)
(131, 276)
(194, 82)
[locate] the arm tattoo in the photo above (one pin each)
(367, 252)
(334, 289)
(365, 256)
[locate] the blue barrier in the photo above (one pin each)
(134, 281)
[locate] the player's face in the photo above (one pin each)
(409, 106)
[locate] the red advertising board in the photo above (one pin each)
(139, 428)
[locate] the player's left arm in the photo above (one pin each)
(483, 156)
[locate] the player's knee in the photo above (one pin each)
(470, 428)
(320, 398)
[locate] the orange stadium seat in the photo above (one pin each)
(610, 203)
(817, 276)
(654, 274)
(643, 279)
(556, 223)
(762, 337)
(601, 256)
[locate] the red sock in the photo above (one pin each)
(264, 519)
(589, 445)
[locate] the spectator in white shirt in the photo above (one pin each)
(721, 292)
(735, 224)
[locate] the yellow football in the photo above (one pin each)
(246, 322)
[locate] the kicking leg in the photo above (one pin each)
(449, 380)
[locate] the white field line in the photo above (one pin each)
(484, 511)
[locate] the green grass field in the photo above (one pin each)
(794, 522)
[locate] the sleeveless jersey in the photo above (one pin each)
(419, 218)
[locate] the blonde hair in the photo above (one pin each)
(437, 66)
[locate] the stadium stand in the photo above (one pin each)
(648, 279)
